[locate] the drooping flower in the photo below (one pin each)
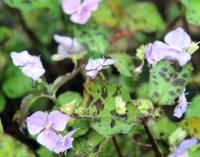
(181, 108)
(80, 11)
(181, 151)
(31, 66)
(64, 143)
(95, 65)
(46, 126)
(174, 48)
(67, 47)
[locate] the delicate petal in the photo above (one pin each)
(91, 5)
(63, 50)
(178, 37)
(36, 122)
(20, 59)
(77, 46)
(94, 64)
(81, 17)
(92, 73)
(48, 138)
(156, 52)
(181, 57)
(64, 143)
(70, 6)
(35, 71)
(108, 62)
(63, 40)
(181, 108)
(59, 120)
(186, 144)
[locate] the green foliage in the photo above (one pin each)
(194, 108)
(161, 128)
(167, 82)
(124, 64)
(100, 101)
(192, 11)
(1, 127)
(69, 102)
(29, 5)
(138, 18)
(94, 36)
(11, 147)
(16, 84)
(2, 102)
(192, 126)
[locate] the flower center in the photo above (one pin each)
(49, 125)
(80, 8)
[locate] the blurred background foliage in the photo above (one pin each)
(115, 30)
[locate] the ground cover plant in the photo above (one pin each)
(99, 78)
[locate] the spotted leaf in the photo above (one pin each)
(167, 82)
(100, 101)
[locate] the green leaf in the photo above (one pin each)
(69, 102)
(94, 36)
(194, 151)
(29, 5)
(138, 18)
(10, 147)
(192, 11)
(192, 126)
(2, 102)
(17, 85)
(108, 13)
(43, 151)
(124, 64)
(161, 128)
(1, 127)
(167, 82)
(100, 101)
(194, 108)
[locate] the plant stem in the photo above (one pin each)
(151, 138)
(117, 147)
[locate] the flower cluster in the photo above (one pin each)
(31, 66)
(175, 48)
(95, 65)
(47, 126)
(80, 11)
(67, 47)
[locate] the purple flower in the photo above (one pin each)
(46, 125)
(95, 65)
(67, 47)
(31, 66)
(174, 48)
(182, 148)
(80, 11)
(64, 143)
(181, 108)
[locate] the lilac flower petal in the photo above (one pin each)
(91, 5)
(92, 73)
(63, 50)
(181, 108)
(81, 17)
(63, 40)
(36, 122)
(35, 71)
(77, 46)
(48, 138)
(156, 52)
(64, 143)
(20, 59)
(181, 57)
(59, 120)
(94, 64)
(70, 6)
(178, 37)
(186, 144)
(108, 62)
